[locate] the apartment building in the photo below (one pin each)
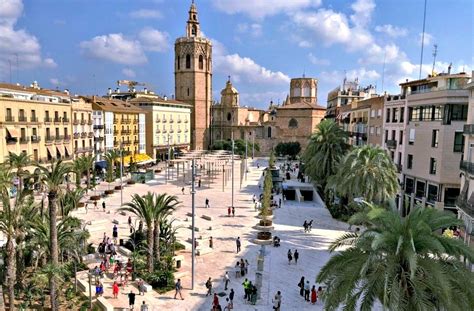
(437, 111)
(344, 95)
(394, 128)
(35, 121)
(83, 135)
(168, 123)
(121, 124)
(465, 202)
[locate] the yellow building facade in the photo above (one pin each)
(83, 134)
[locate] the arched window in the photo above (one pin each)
(188, 61)
(179, 62)
(201, 62)
(229, 116)
(269, 132)
(194, 16)
(194, 30)
(188, 91)
(293, 124)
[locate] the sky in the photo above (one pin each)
(87, 45)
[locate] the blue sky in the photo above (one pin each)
(86, 45)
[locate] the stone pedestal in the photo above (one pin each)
(260, 261)
(258, 283)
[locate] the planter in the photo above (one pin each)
(265, 222)
(118, 188)
(264, 235)
(269, 217)
(109, 192)
(130, 182)
(95, 197)
(80, 204)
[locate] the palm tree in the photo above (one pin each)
(326, 148)
(78, 169)
(403, 263)
(144, 208)
(110, 158)
(53, 177)
(69, 201)
(88, 166)
(367, 172)
(18, 162)
(164, 205)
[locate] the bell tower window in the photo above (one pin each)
(201, 62)
(194, 30)
(179, 62)
(188, 61)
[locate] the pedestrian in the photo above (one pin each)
(178, 287)
(290, 256)
(246, 266)
(233, 211)
(249, 291)
(310, 225)
(229, 305)
(237, 269)
(279, 203)
(231, 296)
(131, 299)
(95, 205)
(228, 211)
(226, 280)
(314, 295)
(144, 306)
(209, 287)
(253, 294)
(210, 242)
(245, 284)
(141, 287)
(237, 243)
(115, 290)
(207, 203)
(242, 267)
(103, 205)
(296, 255)
(305, 225)
(277, 301)
(115, 234)
(258, 165)
(301, 286)
(215, 301)
(86, 206)
(199, 183)
(306, 291)
(182, 190)
(320, 292)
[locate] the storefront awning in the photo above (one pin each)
(61, 149)
(13, 131)
(51, 151)
(137, 158)
(101, 164)
(68, 150)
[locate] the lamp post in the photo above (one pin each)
(232, 169)
(121, 172)
(253, 144)
(193, 247)
(246, 168)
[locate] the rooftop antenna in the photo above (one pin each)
(435, 52)
(10, 63)
(422, 40)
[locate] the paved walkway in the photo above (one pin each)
(278, 275)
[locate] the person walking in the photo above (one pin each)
(249, 291)
(228, 211)
(115, 290)
(215, 301)
(131, 300)
(207, 203)
(290, 256)
(310, 225)
(296, 255)
(209, 287)
(229, 305)
(144, 306)
(306, 291)
(238, 244)
(231, 296)
(115, 234)
(301, 286)
(182, 191)
(226, 280)
(178, 288)
(141, 287)
(103, 205)
(314, 295)
(211, 244)
(305, 225)
(199, 183)
(277, 301)
(86, 206)
(233, 211)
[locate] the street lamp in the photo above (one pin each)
(121, 172)
(193, 247)
(232, 137)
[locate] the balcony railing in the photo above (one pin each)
(98, 138)
(115, 121)
(49, 139)
(48, 120)
(57, 120)
(67, 137)
(135, 142)
(135, 121)
(89, 122)
(467, 167)
(59, 138)
(186, 121)
(465, 205)
(90, 134)
(126, 120)
(24, 140)
(469, 129)
(158, 131)
(22, 119)
(9, 119)
(116, 143)
(391, 144)
(75, 122)
(158, 120)
(127, 142)
(98, 127)
(34, 119)
(65, 120)
(83, 135)
(171, 121)
(164, 120)
(77, 135)
(179, 121)
(126, 132)
(35, 139)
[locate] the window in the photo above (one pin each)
(394, 115)
(402, 114)
(458, 142)
(411, 138)
(188, 61)
(432, 194)
(293, 124)
(458, 112)
(372, 113)
(450, 196)
(229, 116)
(269, 132)
(420, 189)
(201, 62)
(409, 185)
(394, 133)
(379, 113)
(377, 131)
(433, 166)
(410, 161)
(387, 116)
(194, 30)
(426, 113)
(400, 137)
(178, 60)
(386, 135)
(371, 130)
(399, 158)
(434, 138)
(437, 113)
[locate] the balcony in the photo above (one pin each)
(83, 122)
(115, 121)
(466, 205)
(127, 142)
(186, 130)
(158, 120)
(126, 121)
(135, 132)
(469, 129)
(179, 130)
(35, 139)
(98, 138)
(48, 120)
(89, 122)
(22, 119)
(76, 135)
(467, 167)
(11, 140)
(75, 122)
(9, 119)
(158, 131)
(135, 142)
(57, 121)
(98, 127)
(179, 121)
(186, 121)
(59, 138)
(164, 120)
(171, 131)
(67, 138)
(171, 121)
(116, 132)
(24, 140)
(116, 143)
(391, 144)
(90, 134)
(165, 131)
(135, 121)
(66, 120)
(83, 135)
(49, 139)
(126, 132)
(34, 119)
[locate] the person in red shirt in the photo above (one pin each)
(215, 302)
(115, 290)
(314, 295)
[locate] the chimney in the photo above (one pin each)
(109, 91)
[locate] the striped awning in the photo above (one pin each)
(13, 131)
(60, 149)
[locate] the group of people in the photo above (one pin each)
(250, 291)
(241, 268)
(310, 294)
(292, 256)
(308, 225)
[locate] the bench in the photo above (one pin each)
(206, 217)
(104, 305)
(89, 258)
(83, 286)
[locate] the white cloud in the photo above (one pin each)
(254, 29)
(392, 31)
(428, 39)
(18, 44)
(145, 14)
(154, 40)
(318, 61)
(129, 73)
(116, 48)
(363, 10)
(304, 44)
(259, 9)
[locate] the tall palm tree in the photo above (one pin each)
(325, 150)
(78, 169)
(52, 178)
(18, 162)
(69, 201)
(164, 205)
(110, 157)
(144, 208)
(403, 263)
(367, 172)
(88, 166)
